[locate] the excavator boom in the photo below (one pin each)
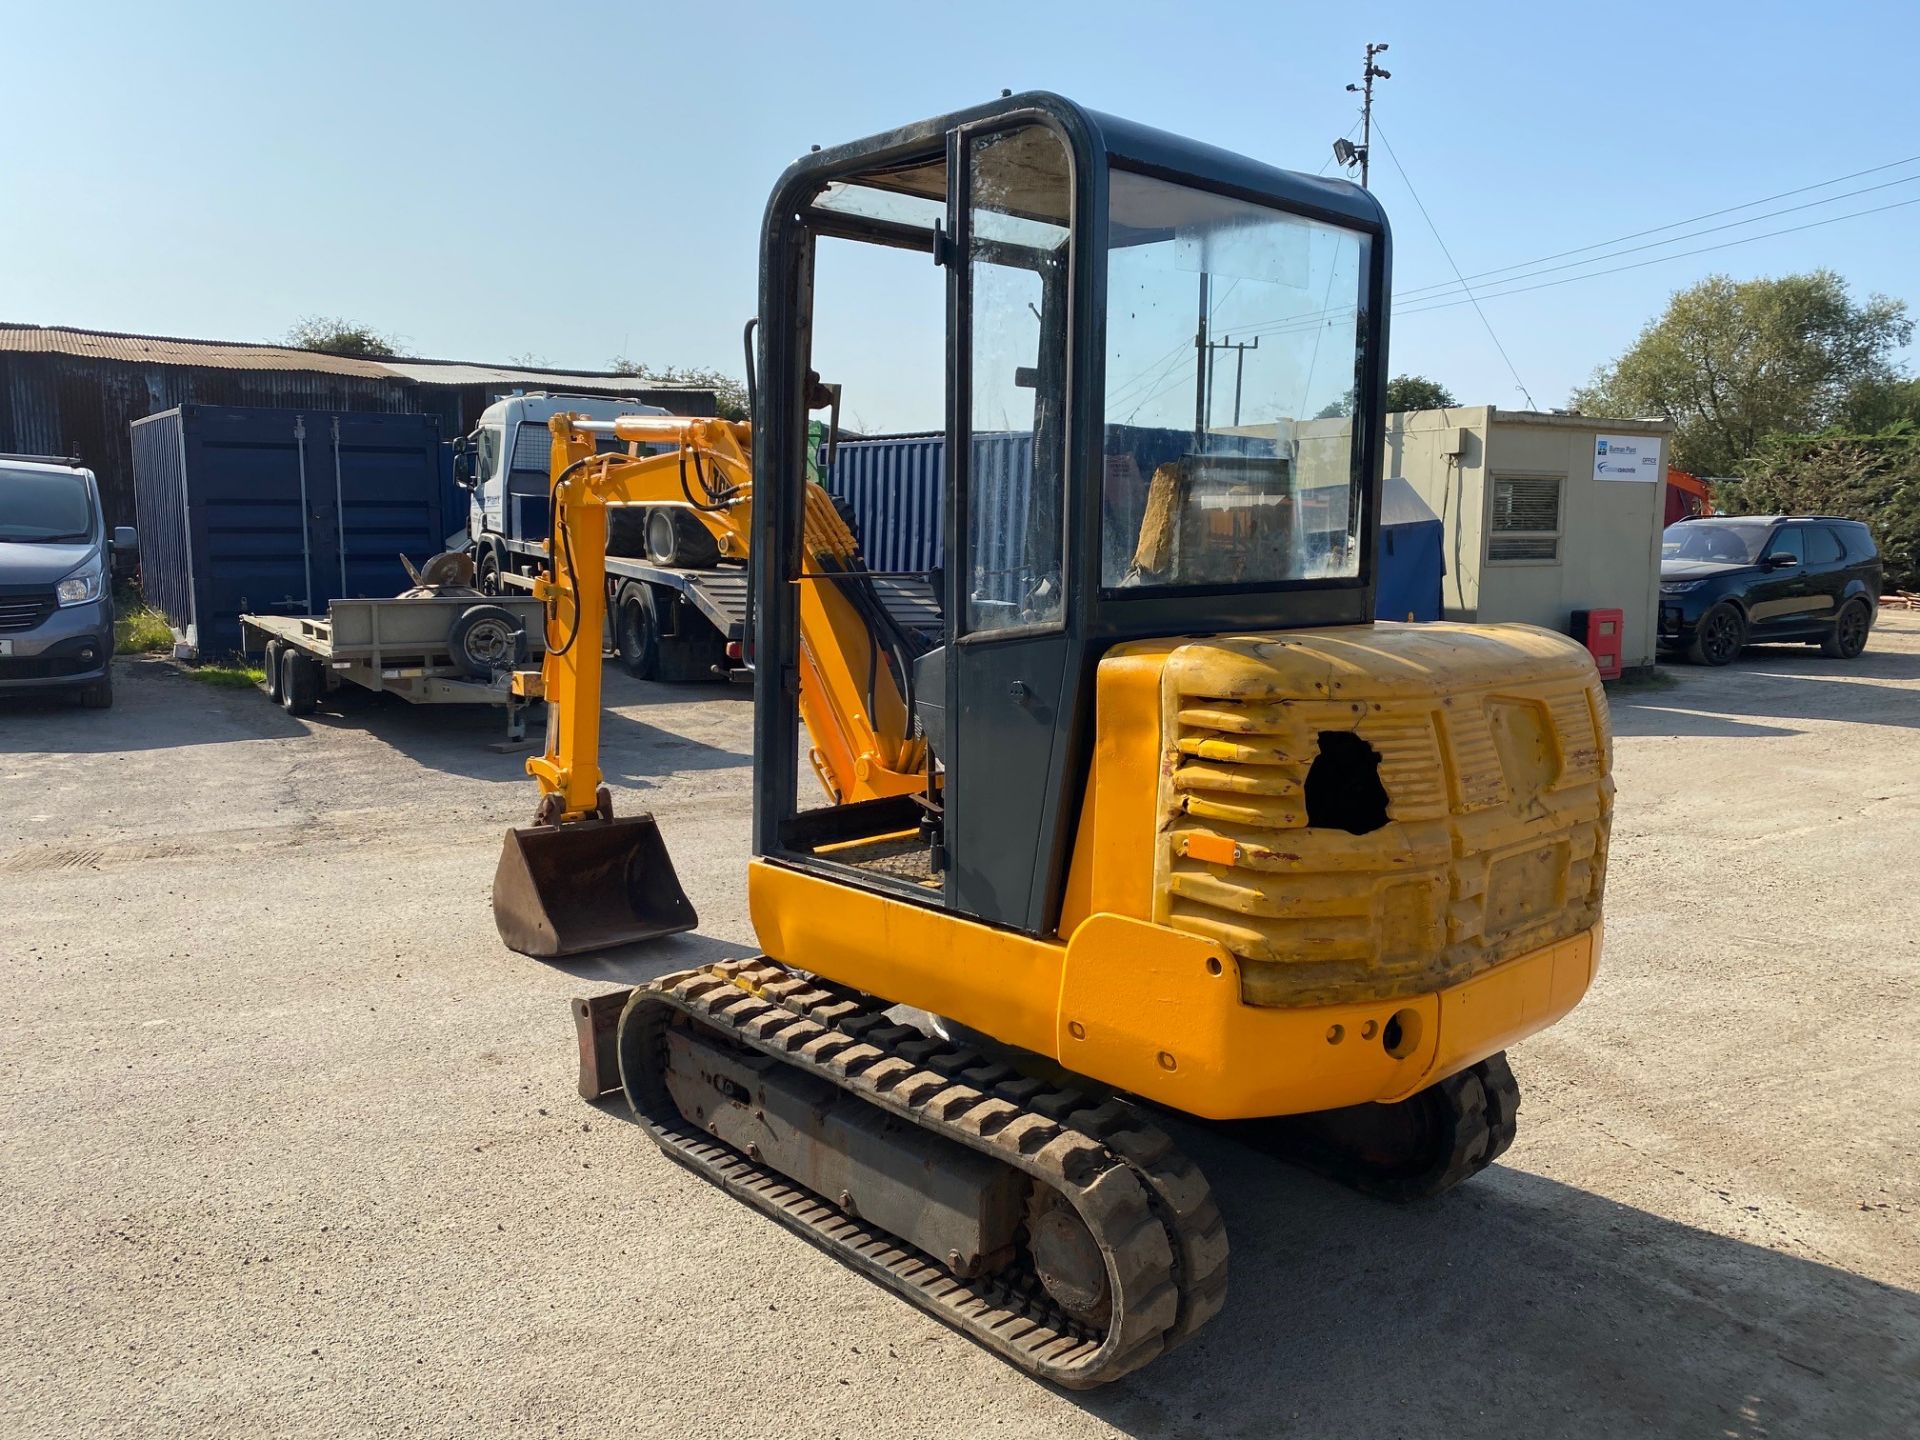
(578, 878)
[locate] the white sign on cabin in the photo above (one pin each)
(1627, 457)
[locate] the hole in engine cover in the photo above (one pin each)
(1343, 789)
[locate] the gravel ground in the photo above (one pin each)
(292, 1146)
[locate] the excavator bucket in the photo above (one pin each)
(587, 885)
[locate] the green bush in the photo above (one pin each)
(229, 677)
(138, 628)
(1875, 478)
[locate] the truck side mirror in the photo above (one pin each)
(127, 539)
(463, 464)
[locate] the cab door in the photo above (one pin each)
(1009, 648)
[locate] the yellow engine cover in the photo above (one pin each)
(1493, 753)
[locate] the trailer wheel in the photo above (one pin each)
(272, 666)
(487, 639)
(676, 537)
(299, 682)
(636, 634)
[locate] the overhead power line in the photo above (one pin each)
(1401, 170)
(1658, 259)
(1709, 215)
(1309, 320)
(1431, 292)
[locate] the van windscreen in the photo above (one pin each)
(43, 506)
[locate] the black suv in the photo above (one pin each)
(1733, 580)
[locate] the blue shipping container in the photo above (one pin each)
(269, 511)
(894, 487)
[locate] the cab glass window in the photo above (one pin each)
(1235, 343)
(486, 461)
(1020, 195)
(1788, 542)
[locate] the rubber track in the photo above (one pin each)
(1478, 1113)
(1146, 1204)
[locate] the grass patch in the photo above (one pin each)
(140, 630)
(229, 677)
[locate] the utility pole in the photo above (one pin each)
(1202, 355)
(1239, 348)
(1344, 151)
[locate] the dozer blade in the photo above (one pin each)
(587, 885)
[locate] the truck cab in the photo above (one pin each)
(505, 464)
(56, 579)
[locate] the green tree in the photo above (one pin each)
(1875, 478)
(1876, 405)
(1417, 392)
(330, 335)
(1731, 362)
(1404, 392)
(729, 394)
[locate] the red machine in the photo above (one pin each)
(1599, 631)
(1687, 496)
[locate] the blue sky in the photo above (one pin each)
(571, 182)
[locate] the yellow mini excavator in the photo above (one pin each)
(1158, 818)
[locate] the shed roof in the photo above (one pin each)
(458, 372)
(247, 355)
(171, 350)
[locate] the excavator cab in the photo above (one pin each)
(1155, 356)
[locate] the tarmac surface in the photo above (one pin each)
(292, 1145)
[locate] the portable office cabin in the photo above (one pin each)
(1542, 515)
(279, 511)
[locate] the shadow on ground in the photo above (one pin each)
(1768, 689)
(1517, 1306)
(650, 959)
(156, 706)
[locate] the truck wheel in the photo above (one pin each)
(676, 537)
(627, 531)
(1849, 635)
(487, 571)
(98, 695)
(272, 666)
(299, 682)
(487, 639)
(636, 635)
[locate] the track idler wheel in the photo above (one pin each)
(1067, 1258)
(1410, 1150)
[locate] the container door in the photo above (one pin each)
(382, 499)
(1006, 583)
(249, 518)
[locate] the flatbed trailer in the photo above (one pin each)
(427, 649)
(681, 624)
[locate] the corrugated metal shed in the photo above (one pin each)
(71, 391)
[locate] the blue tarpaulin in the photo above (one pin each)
(1412, 555)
